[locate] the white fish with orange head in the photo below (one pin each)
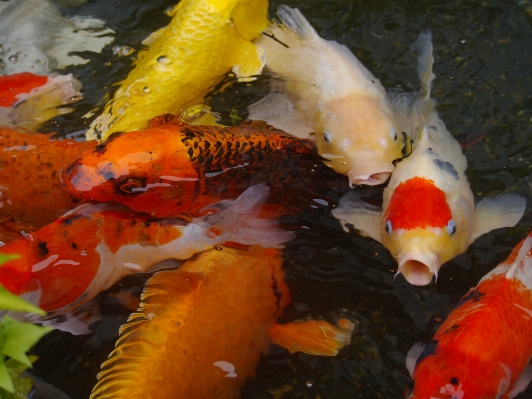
(345, 105)
(428, 214)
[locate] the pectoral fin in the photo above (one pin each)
(413, 354)
(313, 337)
(495, 212)
(364, 217)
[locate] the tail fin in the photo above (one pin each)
(238, 220)
(425, 61)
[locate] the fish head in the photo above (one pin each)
(443, 371)
(144, 170)
(422, 228)
(360, 137)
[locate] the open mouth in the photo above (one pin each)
(418, 269)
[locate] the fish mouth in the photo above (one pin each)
(418, 268)
(372, 179)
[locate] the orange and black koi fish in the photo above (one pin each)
(483, 349)
(174, 169)
(201, 330)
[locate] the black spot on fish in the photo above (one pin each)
(447, 167)
(454, 381)
(429, 350)
(432, 127)
(474, 295)
(452, 328)
(43, 249)
(133, 222)
(74, 246)
(101, 149)
(68, 221)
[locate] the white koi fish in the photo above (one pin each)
(428, 214)
(346, 106)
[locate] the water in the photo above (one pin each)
(484, 92)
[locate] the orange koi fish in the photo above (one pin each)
(68, 262)
(177, 169)
(28, 101)
(202, 329)
(483, 349)
(31, 194)
(428, 214)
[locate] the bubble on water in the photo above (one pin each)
(13, 59)
(83, 253)
(310, 383)
(73, 99)
(144, 243)
(123, 51)
(178, 324)
(146, 90)
(37, 99)
(164, 60)
(38, 61)
(219, 247)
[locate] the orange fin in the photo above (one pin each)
(313, 337)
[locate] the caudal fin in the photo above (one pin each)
(238, 220)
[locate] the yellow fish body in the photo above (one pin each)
(202, 329)
(204, 40)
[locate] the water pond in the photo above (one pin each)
(483, 67)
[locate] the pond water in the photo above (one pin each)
(483, 67)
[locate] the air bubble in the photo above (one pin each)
(144, 243)
(164, 60)
(37, 99)
(219, 247)
(83, 253)
(123, 51)
(310, 383)
(13, 59)
(146, 89)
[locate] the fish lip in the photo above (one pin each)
(373, 178)
(418, 267)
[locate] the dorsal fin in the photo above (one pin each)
(166, 120)
(521, 268)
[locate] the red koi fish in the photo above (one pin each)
(31, 194)
(28, 100)
(202, 329)
(483, 349)
(68, 262)
(173, 169)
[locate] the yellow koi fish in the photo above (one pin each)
(202, 329)
(204, 41)
(347, 107)
(428, 214)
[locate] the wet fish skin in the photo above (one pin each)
(355, 127)
(484, 347)
(202, 329)
(174, 169)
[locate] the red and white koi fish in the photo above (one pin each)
(483, 349)
(202, 329)
(67, 263)
(28, 101)
(346, 105)
(428, 214)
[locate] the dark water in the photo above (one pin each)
(483, 66)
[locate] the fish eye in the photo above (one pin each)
(451, 227)
(130, 185)
(394, 134)
(388, 227)
(327, 136)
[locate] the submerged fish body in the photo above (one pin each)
(428, 214)
(68, 262)
(202, 329)
(354, 125)
(27, 100)
(483, 348)
(31, 194)
(204, 40)
(177, 169)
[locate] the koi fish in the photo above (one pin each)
(37, 38)
(174, 169)
(31, 194)
(347, 106)
(428, 214)
(28, 101)
(484, 347)
(68, 262)
(203, 328)
(204, 40)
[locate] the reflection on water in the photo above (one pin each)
(484, 90)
